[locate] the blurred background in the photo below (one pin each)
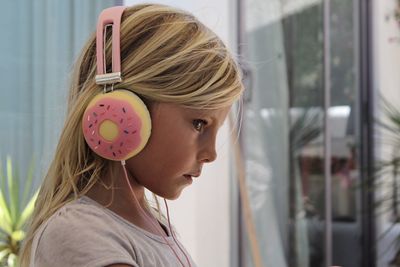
(285, 132)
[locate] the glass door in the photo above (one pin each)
(283, 131)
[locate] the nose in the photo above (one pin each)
(211, 156)
(207, 151)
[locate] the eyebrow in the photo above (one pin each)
(205, 114)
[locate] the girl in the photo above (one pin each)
(91, 209)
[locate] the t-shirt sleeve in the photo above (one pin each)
(74, 239)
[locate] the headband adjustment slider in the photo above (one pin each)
(108, 78)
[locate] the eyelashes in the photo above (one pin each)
(199, 124)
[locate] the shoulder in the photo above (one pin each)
(77, 221)
(80, 234)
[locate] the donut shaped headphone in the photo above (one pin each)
(116, 124)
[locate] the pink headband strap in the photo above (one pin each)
(109, 16)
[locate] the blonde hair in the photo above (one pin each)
(167, 55)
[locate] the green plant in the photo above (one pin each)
(14, 211)
(387, 172)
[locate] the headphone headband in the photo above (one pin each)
(110, 16)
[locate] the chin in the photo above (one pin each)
(174, 197)
(170, 195)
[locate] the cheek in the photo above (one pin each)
(172, 140)
(171, 159)
(168, 151)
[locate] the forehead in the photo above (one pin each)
(168, 109)
(214, 113)
(206, 111)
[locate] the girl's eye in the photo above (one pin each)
(199, 124)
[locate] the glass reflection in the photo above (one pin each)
(283, 132)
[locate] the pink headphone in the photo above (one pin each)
(117, 124)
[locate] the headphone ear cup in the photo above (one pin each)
(116, 125)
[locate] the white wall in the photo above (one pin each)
(201, 215)
(387, 82)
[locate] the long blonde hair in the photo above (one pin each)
(167, 55)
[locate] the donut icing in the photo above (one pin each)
(125, 110)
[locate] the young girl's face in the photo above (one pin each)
(181, 141)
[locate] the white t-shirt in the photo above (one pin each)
(85, 234)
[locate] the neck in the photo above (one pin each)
(121, 201)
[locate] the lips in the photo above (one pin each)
(188, 178)
(191, 175)
(194, 175)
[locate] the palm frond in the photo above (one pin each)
(12, 220)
